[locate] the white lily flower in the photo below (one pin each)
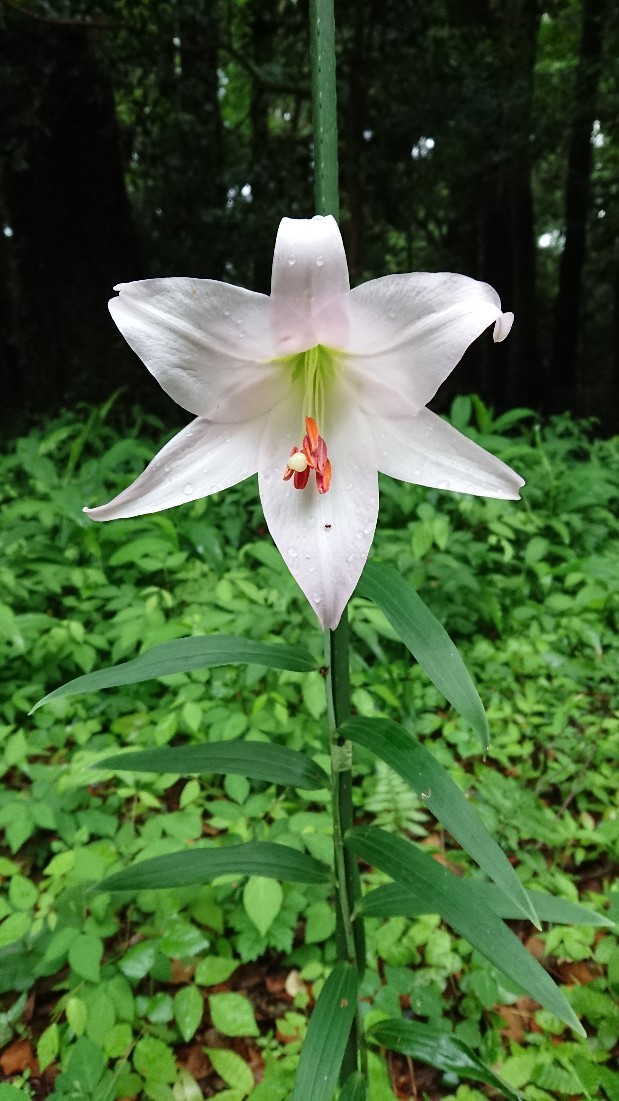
(317, 388)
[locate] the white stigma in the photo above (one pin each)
(298, 462)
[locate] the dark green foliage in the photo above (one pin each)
(529, 592)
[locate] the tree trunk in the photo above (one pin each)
(64, 199)
(566, 346)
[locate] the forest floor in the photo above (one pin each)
(203, 991)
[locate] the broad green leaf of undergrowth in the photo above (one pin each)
(427, 641)
(403, 753)
(256, 760)
(262, 899)
(443, 893)
(191, 866)
(327, 1035)
(183, 654)
(439, 1049)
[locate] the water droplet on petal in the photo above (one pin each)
(320, 261)
(188, 489)
(292, 259)
(292, 552)
(317, 598)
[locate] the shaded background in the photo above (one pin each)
(163, 137)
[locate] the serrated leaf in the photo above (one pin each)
(188, 1009)
(439, 1049)
(48, 1046)
(403, 753)
(262, 899)
(215, 969)
(85, 953)
(154, 1060)
(234, 1070)
(256, 760)
(327, 1036)
(446, 895)
(320, 922)
(77, 1015)
(233, 1015)
(183, 654)
(427, 641)
(191, 866)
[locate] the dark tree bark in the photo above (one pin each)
(568, 314)
(496, 230)
(64, 199)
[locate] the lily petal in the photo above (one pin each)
(502, 326)
(208, 344)
(309, 279)
(203, 458)
(427, 451)
(408, 332)
(324, 538)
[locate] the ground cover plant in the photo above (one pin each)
(206, 991)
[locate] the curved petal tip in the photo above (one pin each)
(502, 327)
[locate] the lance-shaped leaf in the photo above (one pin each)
(191, 866)
(439, 1049)
(427, 641)
(257, 760)
(180, 655)
(327, 1036)
(393, 900)
(443, 893)
(403, 753)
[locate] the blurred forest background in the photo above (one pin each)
(163, 137)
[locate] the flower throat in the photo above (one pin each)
(314, 366)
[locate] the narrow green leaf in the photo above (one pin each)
(327, 1035)
(183, 654)
(403, 753)
(189, 866)
(427, 641)
(257, 760)
(443, 893)
(393, 900)
(355, 1088)
(438, 1049)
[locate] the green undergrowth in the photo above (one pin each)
(205, 991)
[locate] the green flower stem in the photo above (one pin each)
(324, 106)
(350, 936)
(350, 939)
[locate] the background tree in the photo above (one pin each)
(159, 138)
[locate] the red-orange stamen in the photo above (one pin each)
(314, 451)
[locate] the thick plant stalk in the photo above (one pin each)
(324, 107)
(350, 939)
(349, 934)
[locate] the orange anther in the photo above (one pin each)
(314, 452)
